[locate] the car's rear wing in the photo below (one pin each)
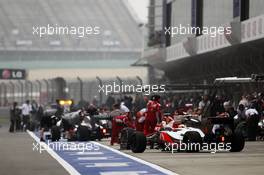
(233, 80)
(252, 79)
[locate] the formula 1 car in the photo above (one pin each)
(169, 136)
(79, 126)
(224, 132)
(164, 136)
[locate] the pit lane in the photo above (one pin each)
(249, 161)
(25, 161)
(17, 157)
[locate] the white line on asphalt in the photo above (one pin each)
(117, 164)
(85, 153)
(124, 172)
(65, 164)
(71, 170)
(163, 170)
(92, 158)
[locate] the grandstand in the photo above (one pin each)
(117, 46)
(18, 18)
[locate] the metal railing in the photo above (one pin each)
(46, 91)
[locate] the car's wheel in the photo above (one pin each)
(209, 138)
(237, 142)
(55, 133)
(192, 141)
(242, 128)
(83, 133)
(138, 142)
(125, 138)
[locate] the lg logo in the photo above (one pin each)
(17, 74)
(12, 74)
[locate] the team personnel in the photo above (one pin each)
(14, 118)
(115, 128)
(127, 113)
(140, 119)
(120, 119)
(26, 110)
(59, 109)
(252, 123)
(153, 115)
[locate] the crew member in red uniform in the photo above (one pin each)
(118, 123)
(153, 115)
(120, 119)
(140, 119)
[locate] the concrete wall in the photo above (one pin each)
(217, 12)
(256, 8)
(181, 14)
(158, 15)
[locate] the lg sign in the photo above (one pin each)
(12, 74)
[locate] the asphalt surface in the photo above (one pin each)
(249, 161)
(18, 158)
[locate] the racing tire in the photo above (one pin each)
(138, 142)
(237, 142)
(242, 128)
(193, 141)
(55, 133)
(83, 133)
(125, 138)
